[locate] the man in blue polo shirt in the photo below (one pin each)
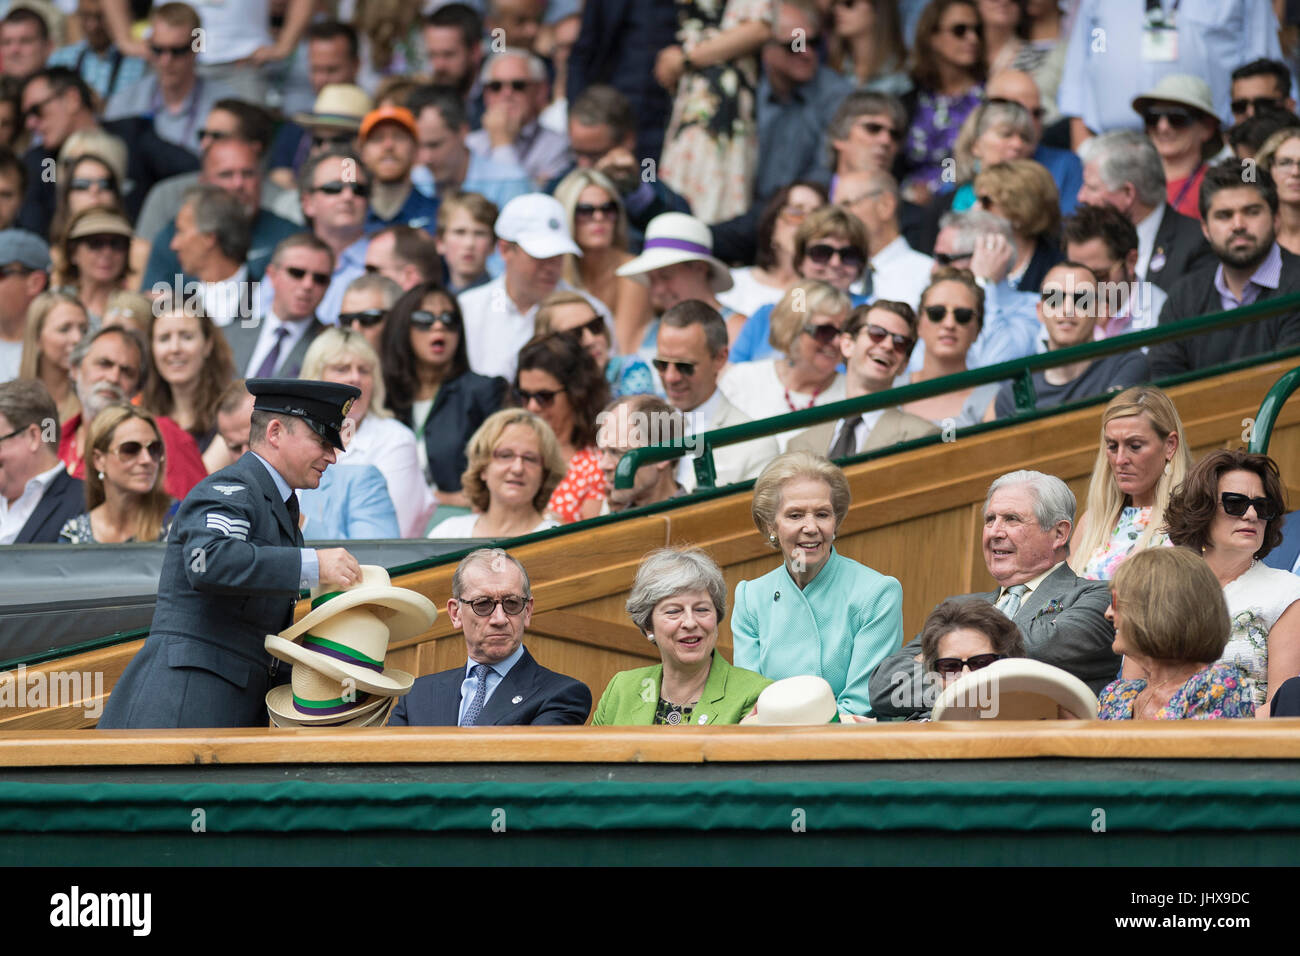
(388, 142)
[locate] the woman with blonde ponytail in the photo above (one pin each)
(1143, 458)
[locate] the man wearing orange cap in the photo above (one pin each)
(388, 142)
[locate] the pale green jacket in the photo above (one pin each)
(631, 697)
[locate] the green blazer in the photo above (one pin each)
(729, 694)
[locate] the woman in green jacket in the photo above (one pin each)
(678, 599)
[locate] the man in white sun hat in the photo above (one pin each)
(533, 239)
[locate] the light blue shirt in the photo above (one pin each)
(310, 575)
(495, 675)
(350, 265)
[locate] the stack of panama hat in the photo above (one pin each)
(337, 652)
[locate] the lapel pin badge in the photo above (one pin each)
(776, 596)
(516, 700)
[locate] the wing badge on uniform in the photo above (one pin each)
(228, 525)
(227, 490)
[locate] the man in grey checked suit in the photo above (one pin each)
(1028, 518)
(234, 566)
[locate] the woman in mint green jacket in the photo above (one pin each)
(678, 599)
(819, 613)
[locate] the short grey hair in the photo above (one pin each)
(667, 572)
(134, 338)
(1127, 156)
(972, 224)
(490, 556)
(218, 213)
(862, 103)
(1053, 499)
(374, 282)
(536, 68)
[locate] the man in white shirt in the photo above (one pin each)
(690, 354)
(335, 192)
(211, 241)
(898, 272)
(24, 274)
(274, 347)
(533, 239)
(37, 495)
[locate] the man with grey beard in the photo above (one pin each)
(108, 368)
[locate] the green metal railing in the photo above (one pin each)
(1261, 432)
(1019, 371)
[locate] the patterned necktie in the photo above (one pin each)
(475, 707)
(1009, 603)
(847, 442)
(272, 360)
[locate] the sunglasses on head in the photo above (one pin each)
(496, 86)
(1255, 103)
(823, 334)
(361, 190)
(181, 49)
(953, 665)
(937, 313)
(297, 275)
(1176, 117)
(902, 343)
(545, 397)
(1235, 505)
(683, 368)
(959, 30)
(84, 185)
(368, 318)
(486, 606)
(586, 210)
(423, 319)
(319, 142)
(130, 450)
(823, 252)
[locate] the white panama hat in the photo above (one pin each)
(1017, 688)
(674, 237)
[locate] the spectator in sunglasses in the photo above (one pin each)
(425, 362)
(598, 223)
(773, 273)
(559, 382)
(1230, 510)
(952, 315)
(1171, 625)
(1179, 118)
(191, 368)
(371, 435)
(1280, 158)
(335, 193)
(570, 312)
(515, 92)
(948, 72)
(867, 46)
(514, 466)
(963, 635)
(1103, 239)
(56, 322)
(388, 142)
(805, 334)
(366, 304)
(1069, 306)
(125, 499)
(96, 251)
(274, 344)
(830, 245)
(90, 169)
(172, 92)
(876, 343)
(332, 123)
(1260, 84)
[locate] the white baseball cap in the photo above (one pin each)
(536, 222)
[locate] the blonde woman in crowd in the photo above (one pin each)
(56, 322)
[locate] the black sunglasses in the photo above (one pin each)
(953, 665)
(822, 253)
(82, 185)
(368, 318)
(1235, 506)
(297, 275)
(1176, 117)
(959, 30)
(36, 109)
(595, 325)
(100, 243)
(936, 314)
(586, 210)
(948, 258)
(130, 450)
(875, 129)
(683, 368)
(1255, 103)
(496, 86)
(215, 134)
(322, 141)
(544, 397)
(1056, 298)
(334, 189)
(902, 344)
(182, 49)
(423, 319)
(486, 606)
(823, 334)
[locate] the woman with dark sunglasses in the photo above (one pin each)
(125, 500)
(1181, 122)
(571, 312)
(963, 635)
(1171, 625)
(96, 250)
(559, 382)
(430, 387)
(91, 166)
(1230, 510)
(806, 333)
(952, 315)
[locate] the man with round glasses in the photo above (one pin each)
(500, 682)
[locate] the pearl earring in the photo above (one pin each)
(101, 476)
(1169, 468)
(772, 538)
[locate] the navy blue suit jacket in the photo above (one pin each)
(544, 697)
(65, 498)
